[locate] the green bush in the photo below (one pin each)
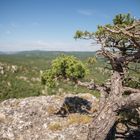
(64, 67)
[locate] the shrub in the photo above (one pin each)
(64, 67)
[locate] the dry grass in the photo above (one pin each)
(79, 119)
(2, 118)
(55, 126)
(51, 110)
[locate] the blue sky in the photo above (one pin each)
(51, 24)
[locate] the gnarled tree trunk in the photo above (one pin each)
(106, 118)
(125, 42)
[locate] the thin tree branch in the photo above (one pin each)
(132, 101)
(127, 33)
(131, 90)
(92, 86)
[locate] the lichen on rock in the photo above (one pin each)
(34, 118)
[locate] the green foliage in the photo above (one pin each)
(48, 78)
(78, 34)
(64, 67)
(125, 19)
(132, 82)
(30, 64)
(12, 87)
(92, 60)
(85, 34)
(111, 39)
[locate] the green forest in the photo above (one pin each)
(25, 80)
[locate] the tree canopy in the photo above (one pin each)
(121, 37)
(120, 44)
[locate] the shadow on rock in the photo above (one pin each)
(74, 105)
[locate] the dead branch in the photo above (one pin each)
(131, 90)
(92, 86)
(132, 101)
(133, 36)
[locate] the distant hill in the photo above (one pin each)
(49, 54)
(2, 53)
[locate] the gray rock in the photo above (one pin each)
(34, 118)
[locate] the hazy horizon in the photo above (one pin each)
(42, 51)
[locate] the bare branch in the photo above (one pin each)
(119, 31)
(106, 54)
(131, 90)
(92, 86)
(132, 26)
(131, 58)
(133, 36)
(132, 101)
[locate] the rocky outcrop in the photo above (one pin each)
(35, 118)
(7, 68)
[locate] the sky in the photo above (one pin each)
(51, 24)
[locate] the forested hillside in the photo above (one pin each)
(20, 74)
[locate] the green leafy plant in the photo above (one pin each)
(64, 67)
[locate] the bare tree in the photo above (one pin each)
(120, 44)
